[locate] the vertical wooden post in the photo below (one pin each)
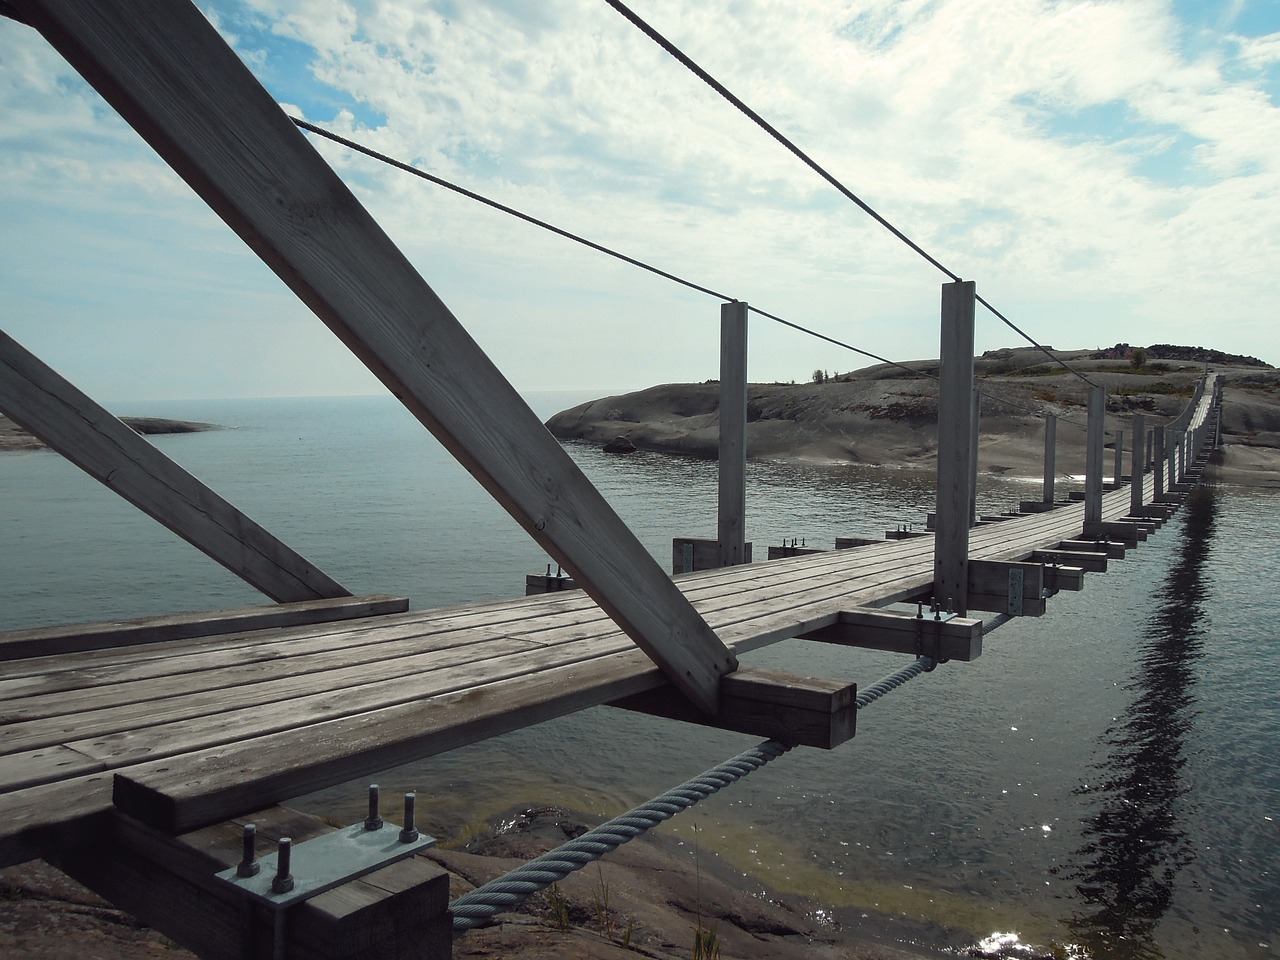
(1050, 452)
(1093, 461)
(1148, 463)
(731, 533)
(1119, 470)
(1157, 465)
(1136, 471)
(955, 413)
(975, 415)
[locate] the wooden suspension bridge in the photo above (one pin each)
(132, 752)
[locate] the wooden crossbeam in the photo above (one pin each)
(48, 405)
(807, 711)
(51, 641)
(1087, 561)
(164, 68)
(959, 638)
(990, 587)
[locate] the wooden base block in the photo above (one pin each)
(1111, 549)
(1086, 561)
(959, 638)
(539, 583)
(399, 911)
(691, 553)
(809, 711)
(784, 551)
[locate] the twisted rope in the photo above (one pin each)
(506, 892)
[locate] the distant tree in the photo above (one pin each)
(819, 376)
(1139, 357)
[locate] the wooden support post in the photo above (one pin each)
(1093, 460)
(1050, 454)
(1147, 463)
(169, 74)
(975, 424)
(1158, 448)
(65, 418)
(1136, 470)
(955, 413)
(1119, 468)
(731, 526)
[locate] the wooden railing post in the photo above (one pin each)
(1093, 461)
(955, 432)
(1119, 470)
(1136, 470)
(1050, 452)
(1148, 461)
(1157, 463)
(731, 527)
(975, 423)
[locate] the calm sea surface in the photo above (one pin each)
(1102, 783)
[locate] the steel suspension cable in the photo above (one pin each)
(576, 238)
(509, 891)
(652, 33)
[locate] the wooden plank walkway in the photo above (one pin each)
(212, 727)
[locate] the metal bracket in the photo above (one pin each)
(1015, 592)
(325, 862)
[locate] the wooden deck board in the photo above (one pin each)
(173, 716)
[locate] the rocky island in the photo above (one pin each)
(14, 437)
(886, 415)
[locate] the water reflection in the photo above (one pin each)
(1134, 845)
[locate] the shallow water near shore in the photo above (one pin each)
(1101, 783)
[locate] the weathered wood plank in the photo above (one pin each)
(178, 794)
(49, 406)
(162, 66)
(59, 641)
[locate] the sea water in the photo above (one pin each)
(1101, 783)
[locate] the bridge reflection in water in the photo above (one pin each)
(1135, 845)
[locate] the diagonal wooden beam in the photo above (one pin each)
(47, 404)
(162, 66)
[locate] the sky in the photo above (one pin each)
(1104, 171)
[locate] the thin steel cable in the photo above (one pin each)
(511, 211)
(506, 892)
(689, 64)
(839, 343)
(568, 235)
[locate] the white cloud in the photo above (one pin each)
(940, 114)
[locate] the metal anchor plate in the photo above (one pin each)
(328, 861)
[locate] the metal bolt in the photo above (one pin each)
(374, 821)
(282, 882)
(410, 832)
(249, 866)
(919, 610)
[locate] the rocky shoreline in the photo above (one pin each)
(644, 900)
(886, 416)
